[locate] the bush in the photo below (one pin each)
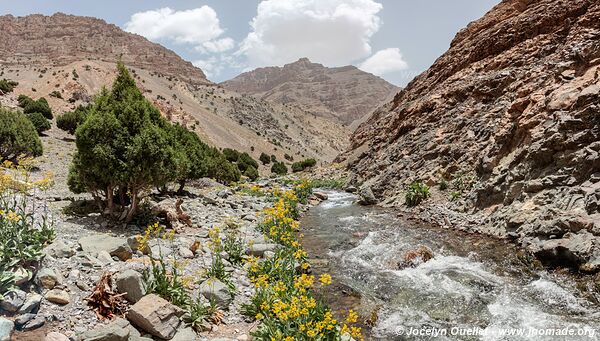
(302, 165)
(17, 136)
(231, 155)
(30, 106)
(288, 157)
(55, 94)
(416, 193)
(7, 85)
(40, 123)
(279, 168)
(264, 159)
(69, 121)
(251, 173)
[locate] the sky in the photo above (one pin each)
(394, 39)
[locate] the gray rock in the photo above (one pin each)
(224, 193)
(249, 217)
(131, 283)
(35, 323)
(59, 249)
(351, 189)
(571, 249)
(102, 242)
(321, 195)
(58, 296)
(54, 336)
(259, 250)
(104, 257)
(158, 248)
(115, 331)
(366, 196)
(32, 303)
(186, 334)
(156, 316)
(216, 291)
(22, 319)
(22, 276)
(6, 329)
(13, 300)
(47, 278)
(185, 252)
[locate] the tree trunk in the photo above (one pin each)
(134, 206)
(181, 186)
(110, 202)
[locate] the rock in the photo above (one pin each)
(22, 276)
(185, 252)
(54, 336)
(321, 195)
(115, 331)
(22, 319)
(47, 278)
(130, 282)
(351, 189)
(102, 242)
(58, 249)
(249, 217)
(32, 303)
(224, 193)
(156, 316)
(159, 248)
(104, 257)
(573, 249)
(415, 257)
(186, 334)
(259, 250)
(35, 323)
(13, 300)
(366, 196)
(6, 329)
(58, 296)
(216, 291)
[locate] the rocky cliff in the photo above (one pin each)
(344, 93)
(509, 117)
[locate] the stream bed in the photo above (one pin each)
(474, 288)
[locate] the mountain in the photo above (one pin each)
(76, 56)
(345, 94)
(510, 117)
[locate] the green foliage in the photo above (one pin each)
(40, 123)
(416, 193)
(234, 246)
(279, 168)
(288, 157)
(231, 155)
(166, 283)
(273, 158)
(264, 159)
(55, 94)
(443, 185)
(17, 136)
(243, 161)
(251, 173)
(198, 313)
(31, 106)
(455, 195)
(331, 183)
(302, 165)
(69, 121)
(6, 85)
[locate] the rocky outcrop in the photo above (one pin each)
(342, 93)
(513, 105)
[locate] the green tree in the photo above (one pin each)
(195, 156)
(17, 136)
(264, 158)
(40, 123)
(251, 173)
(231, 155)
(279, 168)
(6, 85)
(124, 147)
(31, 106)
(302, 165)
(70, 120)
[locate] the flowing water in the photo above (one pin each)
(474, 288)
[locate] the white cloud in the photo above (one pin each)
(199, 27)
(332, 32)
(384, 61)
(214, 65)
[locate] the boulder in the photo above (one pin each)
(259, 250)
(415, 257)
(155, 316)
(6, 329)
(102, 242)
(366, 196)
(22, 319)
(58, 296)
(573, 249)
(13, 300)
(216, 291)
(47, 278)
(321, 195)
(186, 334)
(131, 283)
(185, 252)
(54, 336)
(115, 331)
(32, 303)
(35, 323)
(22, 276)
(59, 249)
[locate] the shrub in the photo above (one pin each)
(264, 159)
(7, 85)
(302, 165)
(416, 193)
(17, 136)
(70, 120)
(231, 155)
(443, 185)
(251, 173)
(279, 168)
(38, 120)
(30, 106)
(288, 157)
(55, 94)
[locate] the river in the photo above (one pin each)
(474, 288)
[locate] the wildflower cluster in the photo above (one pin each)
(285, 300)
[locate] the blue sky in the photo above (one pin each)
(395, 39)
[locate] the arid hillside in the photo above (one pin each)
(509, 117)
(76, 57)
(345, 94)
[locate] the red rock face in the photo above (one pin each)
(61, 39)
(515, 102)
